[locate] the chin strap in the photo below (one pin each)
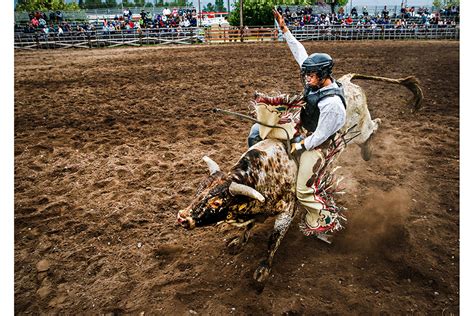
(320, 84)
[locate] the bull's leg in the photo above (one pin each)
(282, 223)
(236, 243)
(366, 147)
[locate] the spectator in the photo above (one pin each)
(59, 16)
(42, 22)
(385, 13)
(35, 22)
(354, 12)
(148, 18)
(364, 11)
(280, 10)
(46, 31)
(52, 16)
(126, 13)
(166, 12)
(187, 23)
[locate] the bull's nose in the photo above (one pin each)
(185, 220)
(182, 215)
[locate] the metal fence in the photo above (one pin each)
(194, 35)
(381, 32)
(97, 39)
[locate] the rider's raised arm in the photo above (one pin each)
(296, 48)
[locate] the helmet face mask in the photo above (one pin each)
(319, 63)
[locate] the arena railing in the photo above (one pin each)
(380, 32)
(100, 38)
(194, 35)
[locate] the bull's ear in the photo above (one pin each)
(211, 164)
(242, 189)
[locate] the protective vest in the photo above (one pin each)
(310, 113)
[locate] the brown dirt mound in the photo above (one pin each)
(108, 147)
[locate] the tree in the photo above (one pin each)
(219, 6)
(45, 5)
(209, 8)
(336, 3)
(93, 4)
(127, 4)
(255, 13)
(111, 3)
(139, 3)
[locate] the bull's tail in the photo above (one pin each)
(410, 83)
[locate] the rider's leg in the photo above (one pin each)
(317, 219)
(254, 135)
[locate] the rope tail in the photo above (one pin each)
(411, 83)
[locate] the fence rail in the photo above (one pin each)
(385, 32)
(186, 36)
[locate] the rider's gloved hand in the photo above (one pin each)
(297, 139)
(297, 147)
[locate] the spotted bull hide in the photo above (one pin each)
(261, 184)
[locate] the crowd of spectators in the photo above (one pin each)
(167, 19)
(40, 22)
(406, 18)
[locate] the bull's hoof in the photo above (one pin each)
(262, 273)
(366, 149)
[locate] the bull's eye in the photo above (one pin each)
(215, 202)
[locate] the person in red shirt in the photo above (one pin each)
(35, 21)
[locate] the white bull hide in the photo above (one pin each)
(283, 110)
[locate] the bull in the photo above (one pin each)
(262, 183)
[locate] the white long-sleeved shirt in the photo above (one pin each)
(332, 114)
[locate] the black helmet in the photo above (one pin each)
(319, 63)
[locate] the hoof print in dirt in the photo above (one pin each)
(207, 141)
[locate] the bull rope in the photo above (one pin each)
(249, 118)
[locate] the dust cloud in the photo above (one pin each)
(379, 223)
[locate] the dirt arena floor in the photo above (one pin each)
(108, 147)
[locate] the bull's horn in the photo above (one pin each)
(242, 189)
(211, 164)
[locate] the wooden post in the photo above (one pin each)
(241, 20)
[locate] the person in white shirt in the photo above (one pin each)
(166, 12)
(322, 117)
